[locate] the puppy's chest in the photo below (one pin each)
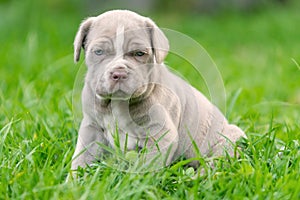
(121, 119)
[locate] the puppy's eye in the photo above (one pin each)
(138, 53)
(99, 52)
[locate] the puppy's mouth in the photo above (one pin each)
(115, 91)
(121, 84)
(120, 92)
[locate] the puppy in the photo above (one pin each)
(130, 92)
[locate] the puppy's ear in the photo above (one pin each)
(80, 38)
(159, 42)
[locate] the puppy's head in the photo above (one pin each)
(121, 49)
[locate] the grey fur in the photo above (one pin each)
(141, 94)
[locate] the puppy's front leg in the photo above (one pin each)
(162, 142)
(160, 152)
(87, 148)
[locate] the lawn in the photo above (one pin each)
(257, 55)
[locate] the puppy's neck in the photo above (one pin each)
(136, 98)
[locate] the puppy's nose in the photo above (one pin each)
(118, 75)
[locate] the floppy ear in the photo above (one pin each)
(159, 42)
(80, 38)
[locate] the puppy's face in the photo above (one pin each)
(120, 49)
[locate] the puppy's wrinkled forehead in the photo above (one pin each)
(133, 30)
(120, 28)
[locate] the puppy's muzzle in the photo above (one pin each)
(119, 73)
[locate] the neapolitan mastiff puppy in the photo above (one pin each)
(130, 92)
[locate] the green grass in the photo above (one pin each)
(257, 55)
